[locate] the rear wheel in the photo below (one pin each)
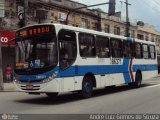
(87, 87)
(52, 95)
(138, 80)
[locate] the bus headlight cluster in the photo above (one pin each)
(51, 77)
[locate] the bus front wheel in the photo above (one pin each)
(52, 95)
(87, 87)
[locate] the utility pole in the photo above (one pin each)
(1, 72)
(127, 19)
(25, 12)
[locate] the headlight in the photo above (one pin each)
(51, 77)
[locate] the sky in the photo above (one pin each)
(147, 11)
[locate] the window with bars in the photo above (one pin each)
(107, 28)
(117, 30)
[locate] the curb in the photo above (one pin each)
(8, 90)
(8, 87)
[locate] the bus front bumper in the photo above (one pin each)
(51, 86)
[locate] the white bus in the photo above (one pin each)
(55, 58)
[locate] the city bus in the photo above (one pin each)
(55, 58)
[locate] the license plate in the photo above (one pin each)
(29, 86)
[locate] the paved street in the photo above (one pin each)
(118, 100)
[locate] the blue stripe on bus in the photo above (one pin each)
(145, 67)
(37, 77)
(97, 69)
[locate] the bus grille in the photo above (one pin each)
(31, 87)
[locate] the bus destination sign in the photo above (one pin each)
(35, 30)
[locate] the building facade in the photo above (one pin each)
(140, 30)
(149, 33)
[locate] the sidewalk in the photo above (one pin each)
(8, 87)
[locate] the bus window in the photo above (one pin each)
(87, 45)
(145, 51)
(39, 52)
(102, 47)
(68, 48)
(152, 52)
(116, 46)
(127, 49)
(138, 50)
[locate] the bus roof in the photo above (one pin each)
(88, 31)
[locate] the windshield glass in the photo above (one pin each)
(36, 52)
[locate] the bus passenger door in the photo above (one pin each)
(67, 57)
(104, 76)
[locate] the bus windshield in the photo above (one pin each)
(36, 52)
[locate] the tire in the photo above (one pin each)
(52, 95)
(138, 80)
(87, 87)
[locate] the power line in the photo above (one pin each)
(157, 2)
(149, 5)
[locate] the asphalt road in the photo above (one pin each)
(121, 99)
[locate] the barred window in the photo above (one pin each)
(107, 28)
(117, 30)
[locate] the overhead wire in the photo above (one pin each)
(156, 2)
(152, 7)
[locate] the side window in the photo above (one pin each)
(138, 50)
(102, 47)
(127, 49)
(145, 51)
(152, 52)
(67, 48)
(87, 45)
(116, 47)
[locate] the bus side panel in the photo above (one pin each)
(148, 74)
(147, 67)
(68, 84)
(105, 80)
(78, 82)
(116, 79)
